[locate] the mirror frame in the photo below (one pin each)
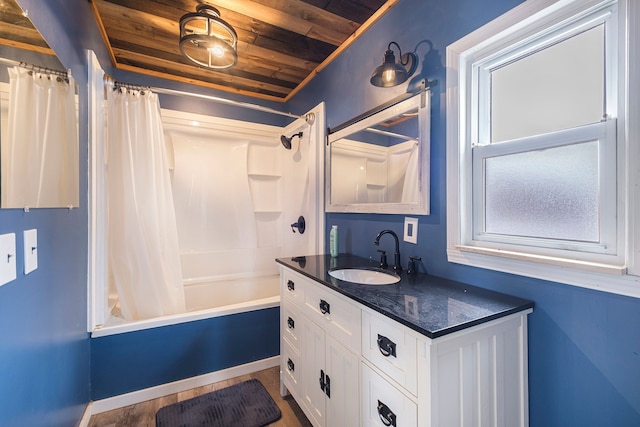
(406, 102)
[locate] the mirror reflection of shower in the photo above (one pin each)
(286, 141)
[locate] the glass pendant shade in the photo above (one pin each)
(391, 73)
(207, 40)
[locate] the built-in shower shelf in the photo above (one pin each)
(376, 185)
(267, 212)
(264, 176)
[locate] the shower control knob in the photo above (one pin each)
(300, 225)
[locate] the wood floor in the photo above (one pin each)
(144, 414)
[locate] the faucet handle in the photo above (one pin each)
(411, 268)
(383, 259)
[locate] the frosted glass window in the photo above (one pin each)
(551, 193)
(559, 87)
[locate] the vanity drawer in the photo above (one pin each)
(291, 369)
(339, 317)
(291, 326)
(384, 405)
(390, 347)
(292, 286)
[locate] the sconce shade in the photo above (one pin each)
(391, 73)
(207, 40)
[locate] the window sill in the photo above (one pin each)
(601, 277)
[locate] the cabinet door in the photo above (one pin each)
(343, 407)
(313, 365)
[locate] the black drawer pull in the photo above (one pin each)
(387, 416)
(291, 323)
(290, 365)
(291, 285)
(386, 346)
(327, 386)
(325, 307)
(325, 383)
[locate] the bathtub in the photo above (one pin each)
(227, 294)
(206, 299)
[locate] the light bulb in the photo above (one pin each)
(389, 75)
(216, 51)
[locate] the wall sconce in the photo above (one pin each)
(207, 40)
(391, 73)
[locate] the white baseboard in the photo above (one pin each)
(138, 396)
(84, 421)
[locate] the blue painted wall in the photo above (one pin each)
(137, 360)
(44, 346)
(584, 345)
(45, 351)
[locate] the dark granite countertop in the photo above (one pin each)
(427, 304)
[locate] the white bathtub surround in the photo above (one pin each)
(142, 233)
(236, 192)
(385, 174)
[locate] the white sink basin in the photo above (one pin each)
(365, 276)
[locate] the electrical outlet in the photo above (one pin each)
(7, 258)
(411, 230)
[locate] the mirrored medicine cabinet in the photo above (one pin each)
(378, 162)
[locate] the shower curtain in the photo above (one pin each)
(42, 142)
(144, 259)
(411, 188)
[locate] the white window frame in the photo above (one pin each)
(615, 269)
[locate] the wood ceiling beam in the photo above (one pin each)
(355, 36)
(222, 80)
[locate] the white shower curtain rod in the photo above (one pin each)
(36, 68)
(112, 83)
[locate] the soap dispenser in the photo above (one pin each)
(333, 241)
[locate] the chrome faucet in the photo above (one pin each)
(396, 256)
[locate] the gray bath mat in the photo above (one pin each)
(246, 404)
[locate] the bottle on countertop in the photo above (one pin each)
(333, 241)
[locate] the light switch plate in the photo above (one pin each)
(411, 230)
(7, 258)
(30, 250)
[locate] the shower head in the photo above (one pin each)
(287, 141)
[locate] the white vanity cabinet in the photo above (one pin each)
(389, 372)
(348, 365)
(320, 351)
(473, 377)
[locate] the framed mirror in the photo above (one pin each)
(39, 153)
(379, 162)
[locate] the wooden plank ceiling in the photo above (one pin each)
(16, 30)
(282, 44)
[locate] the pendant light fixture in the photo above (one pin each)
(207, 40)
(391, 73)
